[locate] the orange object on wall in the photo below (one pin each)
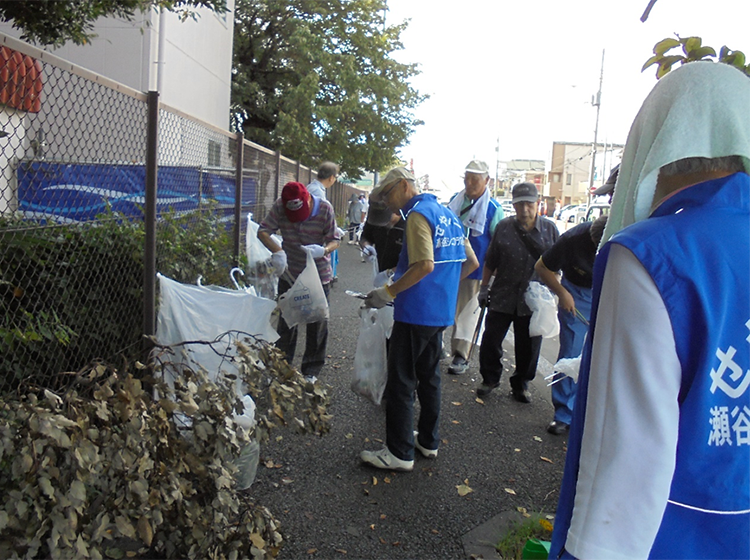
(20, 81)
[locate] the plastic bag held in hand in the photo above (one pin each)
(369, 254)
(543, 305)
(317, 251)
(370, 359)
(278, 261)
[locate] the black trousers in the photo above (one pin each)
(413, 365)
(316, 341)
(527, 349)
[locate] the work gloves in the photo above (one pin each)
(317, 251)
(278, 261)
(381, 278)
(370, 254)
(484, 295)
(379, 298)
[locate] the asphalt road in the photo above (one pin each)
(332, 506)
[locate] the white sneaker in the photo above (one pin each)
(428, 453)
(384, 459)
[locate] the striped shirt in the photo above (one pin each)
(318, 229)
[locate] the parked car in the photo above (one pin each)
(508, 208)
(589, 213)
(562, 209)
(596, 210)
(569, 213)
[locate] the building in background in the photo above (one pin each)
(518, 171)
(195, 60)
(570, 170)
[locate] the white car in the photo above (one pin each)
(569, 213)
(508, 208)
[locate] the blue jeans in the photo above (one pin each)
(413, 365)
(572, 334)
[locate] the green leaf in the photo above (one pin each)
(665, 44)
(651, 61)
(701, 53)
(690, 44)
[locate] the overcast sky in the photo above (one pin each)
(525, 71)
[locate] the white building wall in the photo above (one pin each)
(197, 61)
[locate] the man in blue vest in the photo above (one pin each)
(434, 258)
(658, 462)
(479, 214)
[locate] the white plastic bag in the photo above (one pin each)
(202, 313)
(261, 275)
(466, 322)
(543, 305)
(305, 302)
(370, 361)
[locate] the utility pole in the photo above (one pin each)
(596, 102)
(497, 165)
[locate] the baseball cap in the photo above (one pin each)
(609, 184)
(296, 200)
(525, 192)
(477, 166)
(393, 176)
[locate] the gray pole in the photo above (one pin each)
(597, 103)
(149, 250)
(239, 168)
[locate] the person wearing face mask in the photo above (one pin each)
(516, 245)
(479, 213)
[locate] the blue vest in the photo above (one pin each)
(696, 248)
(432, 301)
(480, 243)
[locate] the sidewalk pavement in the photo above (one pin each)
(331, 506)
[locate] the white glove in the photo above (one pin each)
(278, 261)
(378, 298)
(341, 232)
(317, 251)
(381, 278)
(370, 254)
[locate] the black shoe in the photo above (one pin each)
(483, 390)
(556, 428)
(458, 366)
(521, 395)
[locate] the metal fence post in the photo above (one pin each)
(278, 176)
(239, 168)
(149, 250)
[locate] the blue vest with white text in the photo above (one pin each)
(432, 301)
(696, 248)
(480, 243)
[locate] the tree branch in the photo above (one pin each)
(645, 15)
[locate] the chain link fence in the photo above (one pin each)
(83, 226)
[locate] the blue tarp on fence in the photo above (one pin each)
(79, 192)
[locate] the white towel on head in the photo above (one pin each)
(701, 109)
(476, 218)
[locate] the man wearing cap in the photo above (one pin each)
(434, 258)
(480, 214)
(306, 223)
(516, 245)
